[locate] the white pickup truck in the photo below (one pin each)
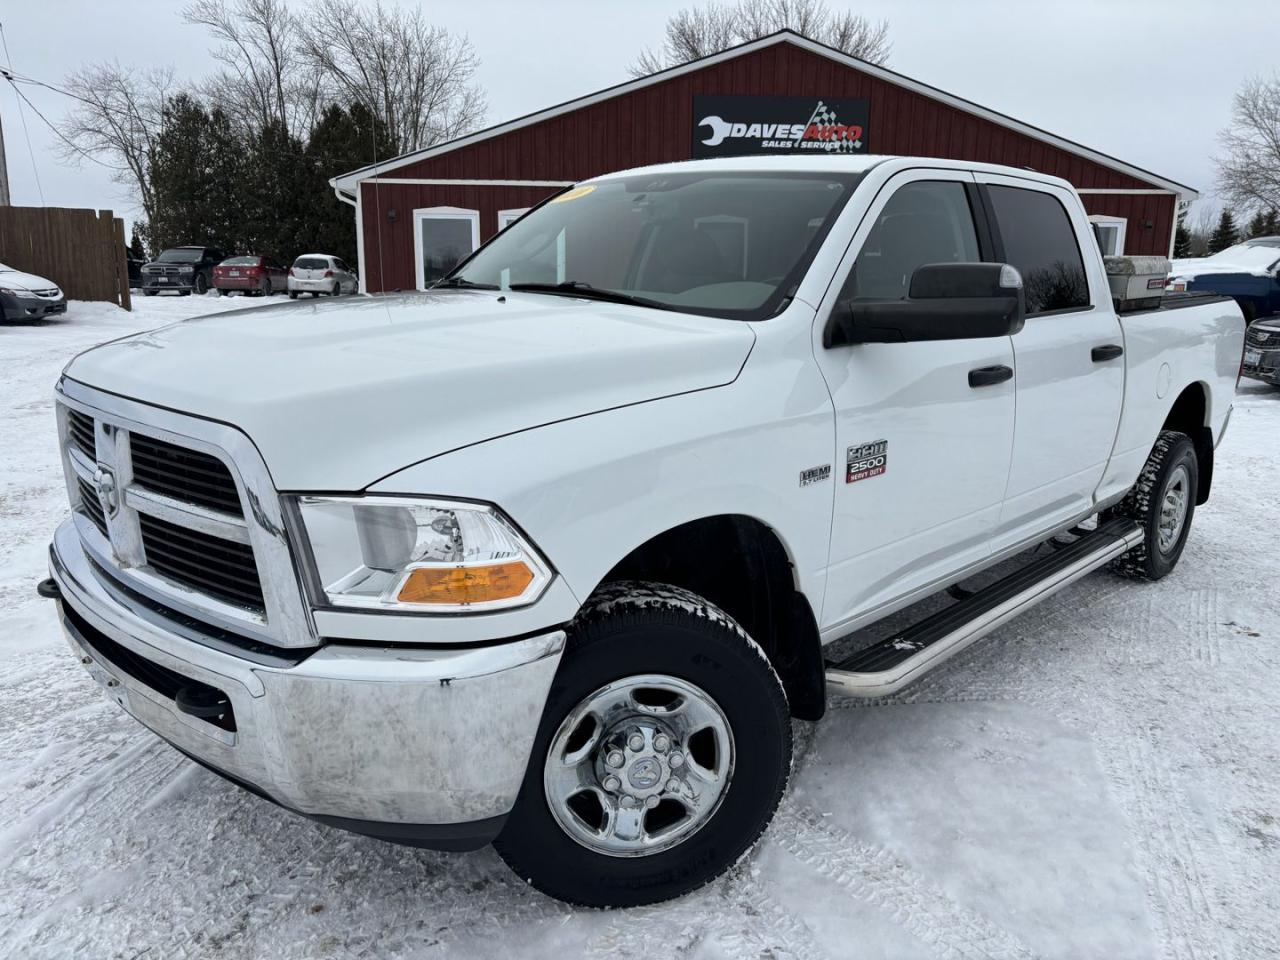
(549, 555)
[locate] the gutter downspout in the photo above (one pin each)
(354, 201)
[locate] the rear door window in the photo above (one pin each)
(1040, 242)
(927, 221)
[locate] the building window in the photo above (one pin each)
(507, 217)
(442, 237)
(729, 233)
(1110, 232)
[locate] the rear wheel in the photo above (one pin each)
(264, 287)
(663, 751)
(337, 289)
(1163, 503)
(293, 294)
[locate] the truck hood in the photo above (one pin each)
(340, 393)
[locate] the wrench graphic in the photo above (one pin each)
(719, 130)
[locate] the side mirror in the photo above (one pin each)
(946, 301)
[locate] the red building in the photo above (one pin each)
(417, 212)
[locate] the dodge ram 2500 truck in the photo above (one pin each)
(548, 555)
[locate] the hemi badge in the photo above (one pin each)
(815, 475)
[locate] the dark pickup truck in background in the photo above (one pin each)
(185, 269)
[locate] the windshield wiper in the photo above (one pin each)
(457, 282)
(580, 288)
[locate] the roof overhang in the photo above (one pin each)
(348, 182)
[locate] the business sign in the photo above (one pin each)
(741, 125)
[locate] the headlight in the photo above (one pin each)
(397, 553)
(186, 268)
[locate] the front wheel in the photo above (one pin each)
(663, 752)
(202, 285)
(1163, 503)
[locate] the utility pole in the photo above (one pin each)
(4, 171)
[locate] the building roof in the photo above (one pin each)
(347, 182)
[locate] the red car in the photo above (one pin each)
(253, 274)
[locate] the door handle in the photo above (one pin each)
(986, 376)
(1107, 351)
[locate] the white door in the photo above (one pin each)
(921, 456)
(1069, 354)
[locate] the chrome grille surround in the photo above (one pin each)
(284, 619)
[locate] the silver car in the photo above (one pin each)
(317, 273)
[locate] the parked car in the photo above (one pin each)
(185, 269)
(317, 273)
(551, 554)
(252, 274)
(134, 266)
(26, 296)
(1248, 271)
(1262, 351)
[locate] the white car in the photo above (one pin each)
(317, 273)
(25, 296)
(551, 554)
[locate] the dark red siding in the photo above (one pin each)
(655, 125)
(1151, 219)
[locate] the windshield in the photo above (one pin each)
(722, 244)
(1248, 255)
(180, 256)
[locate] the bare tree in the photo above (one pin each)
(118, 115)
(267, 78)
(416, 78)
(699, 31)
(1249, 165)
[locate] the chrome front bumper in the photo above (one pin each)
(427, 746)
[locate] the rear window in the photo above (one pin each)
(241, 262)
(1039, 241)
(311, 263)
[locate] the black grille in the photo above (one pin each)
(220, 568)
(183, 474)
(81, 428)
(1254, 338)
(92, 508)
(161, 679)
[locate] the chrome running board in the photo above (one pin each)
(886, 667)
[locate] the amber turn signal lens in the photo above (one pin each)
(481, 584)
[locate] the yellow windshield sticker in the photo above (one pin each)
(573, 194)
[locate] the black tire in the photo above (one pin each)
(293, 294)
(221, 292)
(1173, 457)
(148, 293)
(629, 629)
(264, 288)
(202, 285)
(337, 289)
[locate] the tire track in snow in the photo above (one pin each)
(737, 916)
(877, 877)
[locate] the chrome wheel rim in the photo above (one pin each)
(1173, 509)
(639, 766)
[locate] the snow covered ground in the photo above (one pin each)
(1098, 779)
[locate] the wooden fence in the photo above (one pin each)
(82, 251)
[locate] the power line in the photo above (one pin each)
(61, 136)
(23, 116)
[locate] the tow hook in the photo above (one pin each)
(49, 589)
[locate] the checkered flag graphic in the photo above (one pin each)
(825, 115)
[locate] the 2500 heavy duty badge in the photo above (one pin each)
(867, 460)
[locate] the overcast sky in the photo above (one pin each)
(1148, 82)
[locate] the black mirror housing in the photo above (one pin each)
(946, 301)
